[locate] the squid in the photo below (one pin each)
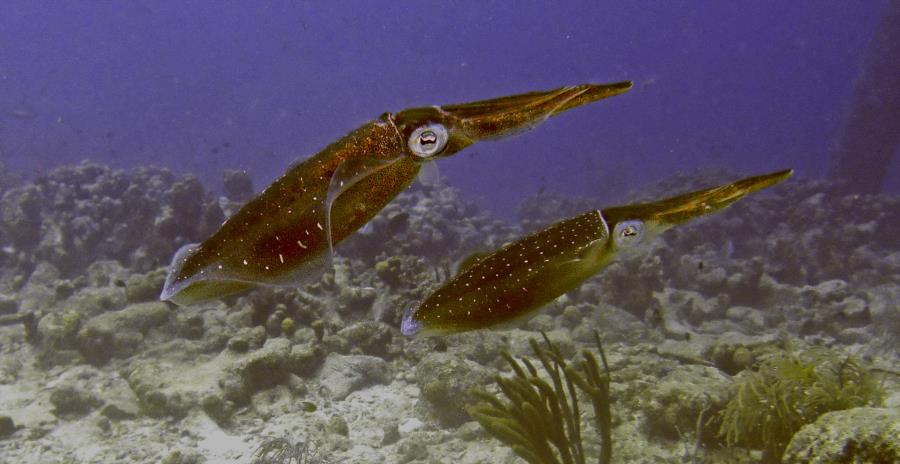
(511, 283)
(286, 234)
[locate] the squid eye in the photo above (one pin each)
(629, 233)
(428, 140)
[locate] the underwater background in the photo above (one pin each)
(764, 333)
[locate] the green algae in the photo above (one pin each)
(540, 420)
(282, 450)
(790, 390)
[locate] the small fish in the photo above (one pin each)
(286, 235)
(23, 113)
(521, 277)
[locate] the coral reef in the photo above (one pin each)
(102, 372)
(73, 216)
(428, 222)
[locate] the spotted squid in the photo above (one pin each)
(286, 234)
(516, 280)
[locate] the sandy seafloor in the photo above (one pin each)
(109, 374)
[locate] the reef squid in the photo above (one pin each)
(286, 234)
(519, 278)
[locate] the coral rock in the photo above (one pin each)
(7, 426)
(73, 399)
(853, 435)
(369, 337)
(119, 333)
(144, 287)
(305, 360)
(8, 305)
(679, 398)
(258, 370)
(342, 375)
(445, 382)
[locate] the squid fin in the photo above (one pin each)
(173, 286)
(429, 175)
(345, 176)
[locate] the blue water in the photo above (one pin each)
(205, 86)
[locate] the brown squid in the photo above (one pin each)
(286, 234)
(519, 278)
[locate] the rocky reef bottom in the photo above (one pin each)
(766, 333)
